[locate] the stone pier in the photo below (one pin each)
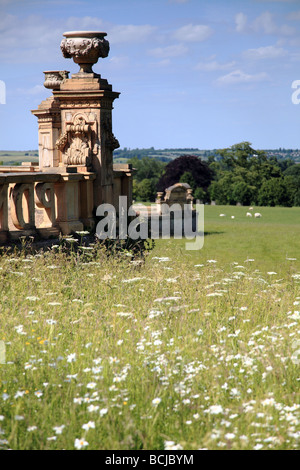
(75, 173)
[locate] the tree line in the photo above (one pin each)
(238, 174)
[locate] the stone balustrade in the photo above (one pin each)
(44, 204)
(47, 204)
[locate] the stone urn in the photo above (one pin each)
(54, 78)
(85, 47)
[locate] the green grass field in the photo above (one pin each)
(185, 350)
(10, 157)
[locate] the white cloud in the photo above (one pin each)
(28, 39)
(34, 90)
(268, 52)
(240, 77)
(241, 22)
(36, 38)
(163, 63)
(264, 24)
(130, 33)
(213, 66)
(119, 62)
(73, 23)
(193, 33)
(169, 51)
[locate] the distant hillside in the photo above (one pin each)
(166, 155)
(283, 154)
(11, 157)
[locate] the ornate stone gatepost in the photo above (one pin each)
(75, 131)
(86, 103)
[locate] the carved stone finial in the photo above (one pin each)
(54, 78)
(85, 47)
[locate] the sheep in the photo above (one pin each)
(250, 208)
(257, 214)
(222, 215)
(248, 214)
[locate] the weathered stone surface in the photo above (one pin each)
(85, 47)
(75, 173)
(54, 78)
(179, 193)
(22, 208)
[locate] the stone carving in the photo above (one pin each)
(75, 130)
(44, 199)
(23, 214)
(75, 142)
(85, 47)
(78, 152)
(54, 78)
(110, 140)
(80, 104)
(62, 141)
(179, 193)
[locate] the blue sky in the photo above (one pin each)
(191, 73)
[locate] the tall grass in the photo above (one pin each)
(185, 350)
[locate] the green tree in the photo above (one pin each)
(220, 191)
(145, 178)
(273, 192)
(293, 170)
(296, 201)
(200, 171)
(188, 178)
(243, 192)
(135, 190)
(200, 195)
(292, 184)
(241, 174)
(147, 168)
(146, 190)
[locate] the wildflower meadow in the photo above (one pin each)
(177, 350)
